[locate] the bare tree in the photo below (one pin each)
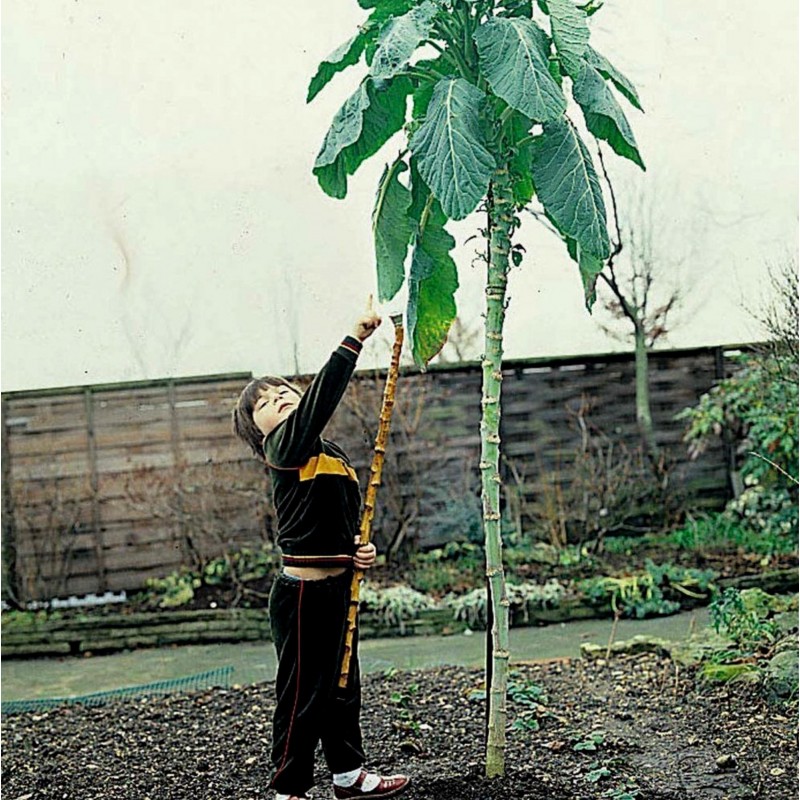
(643, 291)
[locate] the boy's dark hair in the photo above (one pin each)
(243, 425)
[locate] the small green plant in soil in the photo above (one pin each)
(590, 743)
(403, 701)
(173, 590)
(456, 567)
(234, 569)
(761, 647)
(745, 618)
(718, 532)
(529, 701)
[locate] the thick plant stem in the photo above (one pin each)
(501, 225)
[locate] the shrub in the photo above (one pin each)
(394, 605)
(472, 607)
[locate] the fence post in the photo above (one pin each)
(10, 588)
(88, 404)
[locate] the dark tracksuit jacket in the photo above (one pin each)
(318, 503)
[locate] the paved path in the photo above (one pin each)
(255, 662)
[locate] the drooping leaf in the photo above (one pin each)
(392, 230)
(450, 149)
(366, 120)
(513, 55)
(590, 267)
(604, 117)
(421, 196)
(345, 56)
(608, 70)
(570, 33)
(400, 37)
(568, 188)
(432, 284)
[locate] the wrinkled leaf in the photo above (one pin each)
(570, 33)
(366, 120)
(400, 37)
(392, 230)
(604, 117)
(513, 54)
(432, 284)
(450, 149)
(345, 56)
(568, 187)
(608, 70)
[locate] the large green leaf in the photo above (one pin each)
(450, 148)
(400, 37)
(513, 56)
(604, 117)
(345, 56)
(392, 230)
(570, 33)
(432, 284)
(366, 120)
(608, 70)
(568, 187)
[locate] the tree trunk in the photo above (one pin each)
(501, 224)
(644, 418)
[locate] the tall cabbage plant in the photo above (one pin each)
(480, 90)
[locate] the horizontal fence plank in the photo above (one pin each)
(164, 447)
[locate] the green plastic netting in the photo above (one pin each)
(220, 677)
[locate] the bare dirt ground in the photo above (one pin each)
(635, 727)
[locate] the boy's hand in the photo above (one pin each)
(365, 555)
(367, 324)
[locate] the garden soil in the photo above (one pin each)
(634, 727)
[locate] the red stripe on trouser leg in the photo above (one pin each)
(309, 702)
(297, 685)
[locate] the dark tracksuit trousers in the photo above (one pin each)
(309, 619)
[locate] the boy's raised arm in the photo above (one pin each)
(294, 441)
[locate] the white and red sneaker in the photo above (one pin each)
(387, 787)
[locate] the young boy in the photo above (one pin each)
(318, 505)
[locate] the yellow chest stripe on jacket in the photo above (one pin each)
(325, 465)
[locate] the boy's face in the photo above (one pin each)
(273, 406)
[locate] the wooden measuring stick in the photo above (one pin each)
(365, 532)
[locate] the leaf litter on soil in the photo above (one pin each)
(633, 727)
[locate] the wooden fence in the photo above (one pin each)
(106, 486)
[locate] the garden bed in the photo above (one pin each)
(633, 727)
(30, 634)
